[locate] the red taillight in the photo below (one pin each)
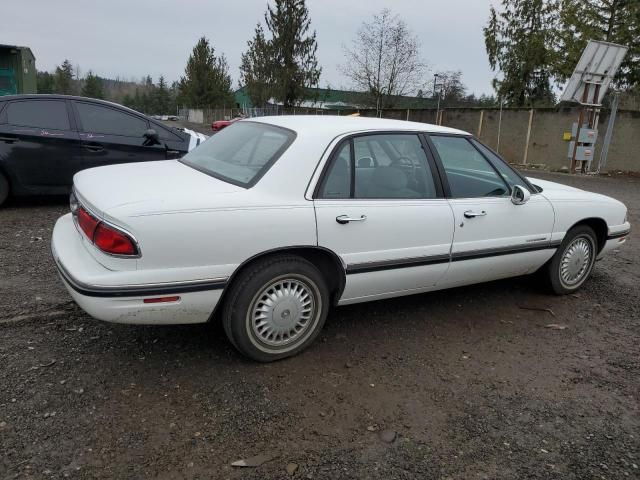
(112, 241)
(87, 223)
(106, 238)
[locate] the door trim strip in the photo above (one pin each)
(377, 266)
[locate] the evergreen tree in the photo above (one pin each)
(616, 21)
(63, 79)
(162, 96)
(128, 101)
(138, 101)
(292, 52)
(520, 41)
(256, 70)
(92, 86)
(206, 81)
(45, 82)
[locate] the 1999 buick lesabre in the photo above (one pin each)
(272, 221)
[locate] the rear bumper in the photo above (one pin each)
(99, 292)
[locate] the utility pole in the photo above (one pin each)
(437, 88)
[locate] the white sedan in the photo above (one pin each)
(272, 221)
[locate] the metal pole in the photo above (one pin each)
(580, 117)
(499, 127)
(526, 147)
(607, 137)
(593, 124)
(480, 123)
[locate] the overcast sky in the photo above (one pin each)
(132, 38)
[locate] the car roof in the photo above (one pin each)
(50, 96)
(334, 125)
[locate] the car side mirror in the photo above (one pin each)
(151, 137)
(520, 195)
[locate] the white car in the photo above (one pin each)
(272, 221)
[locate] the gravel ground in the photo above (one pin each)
(462, 384)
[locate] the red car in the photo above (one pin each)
(220, 124)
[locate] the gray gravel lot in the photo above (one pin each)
(465, 383)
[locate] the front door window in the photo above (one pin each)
(469, 174)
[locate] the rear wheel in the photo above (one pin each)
(276, 308)
(4, 188)
(573, 262)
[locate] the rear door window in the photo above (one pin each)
(386, 166)
(166, 133)
(109, 121)
(337, 183)
(49, 114)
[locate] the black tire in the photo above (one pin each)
(4, 189)
(581, 236)
(303, 298)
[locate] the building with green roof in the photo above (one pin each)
(17, 70)
(330, 99)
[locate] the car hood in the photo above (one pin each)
(166, 186)
(546, 185)
(558, 192)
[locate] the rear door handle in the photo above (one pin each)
(8, 139)
(343, 219)
(93, 147)
(472, 214)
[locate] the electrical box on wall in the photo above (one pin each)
(584, 153)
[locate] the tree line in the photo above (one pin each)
(144, 95)
(532, 45)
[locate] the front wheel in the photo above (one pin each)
(573, 262)
(276, 308)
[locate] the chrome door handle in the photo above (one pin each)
(342, 219)
(472, 214)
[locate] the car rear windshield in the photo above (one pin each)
(241, 153)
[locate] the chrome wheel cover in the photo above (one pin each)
(576, 261)
(283, 313)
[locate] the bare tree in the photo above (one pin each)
(448, 84)
(384, 60)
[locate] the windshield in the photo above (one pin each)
(241, 153)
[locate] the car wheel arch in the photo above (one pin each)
(598, 225)
(327, 261)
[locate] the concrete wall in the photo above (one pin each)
(195, 116)
(546, 146)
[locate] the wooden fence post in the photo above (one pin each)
(480, 123)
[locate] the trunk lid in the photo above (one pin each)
(148, 187)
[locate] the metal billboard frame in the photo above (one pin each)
(597, 66)
(587, 86)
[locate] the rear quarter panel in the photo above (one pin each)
(213, 243)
